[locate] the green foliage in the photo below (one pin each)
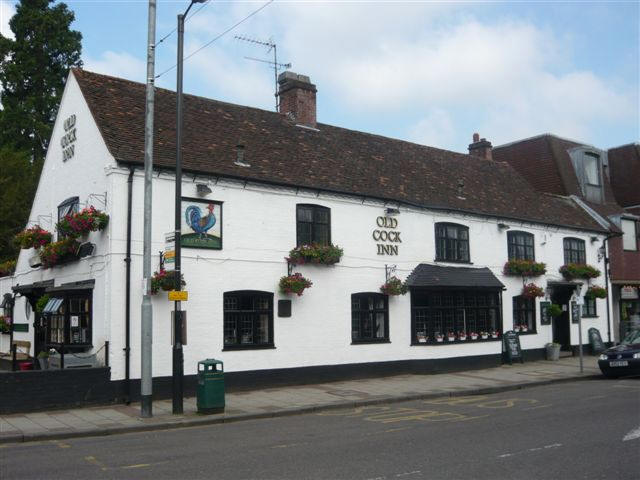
(83, 222)
(42, 302)
(555, 310)
(596, 291)
(58, 252)
(33, 70)
(531, 290)
(394, 286)
(579, 270)
(295, 283)
(524, 268)
(317, 254)
(5, 324)
(34, 237)
(18, 182)
(165, 280)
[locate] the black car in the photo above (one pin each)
(623, 359)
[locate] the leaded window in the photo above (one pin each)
(520, 245)
(452, 242)
(574, 251)
(589, 307)
(524, 314)
(248, 319)
(369, 317)
(439, 312)
(68, 319)
(313, 225)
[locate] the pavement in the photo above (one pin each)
(282, 401)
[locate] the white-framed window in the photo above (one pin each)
(629, 234)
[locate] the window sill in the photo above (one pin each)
(247, 347)
(369, 342)
(590, 316)
(455, 342)
(442, 260)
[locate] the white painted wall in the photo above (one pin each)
(259, 229)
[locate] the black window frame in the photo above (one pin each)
(517, 240)
(571, 253)
(589, 308)
(67, 207)
(316, 225)
(370, 314)
(432, 312)
(242, 297)
(446, 245)
(524, 307)
(60, 322)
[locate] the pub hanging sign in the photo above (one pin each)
(387, 236)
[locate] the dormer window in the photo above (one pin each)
(588, 165)
(591, 167)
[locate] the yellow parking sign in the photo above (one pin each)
(178, 295)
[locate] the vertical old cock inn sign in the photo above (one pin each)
(387, 236)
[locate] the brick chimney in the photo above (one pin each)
(480, 147)
(297, 98)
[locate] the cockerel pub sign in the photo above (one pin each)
(201, 224)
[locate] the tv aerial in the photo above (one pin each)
(270, 44)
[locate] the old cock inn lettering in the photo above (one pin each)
(68, 139)
(387, 236)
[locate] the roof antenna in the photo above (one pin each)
(274, 64)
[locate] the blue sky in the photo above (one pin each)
(429, 72)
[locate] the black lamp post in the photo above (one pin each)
(178, 358)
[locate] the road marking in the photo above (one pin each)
(632, 435)
(60, 444)
(595, 396)
(407, 473)
(388, 431)
(139, 465)
(539, 406)
(287, 445)
(93, 461)
(534, 449)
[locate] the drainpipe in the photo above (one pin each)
(127, 260)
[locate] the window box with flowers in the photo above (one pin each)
(315, 254)
(294, 283)
(7, 268)
(531, 290)
(524, 268)
(82, 222)
(579, 270)
(34, 237)
(59, 252)
(596, 291)
(165, 280)
(394, 286)
(451, 337)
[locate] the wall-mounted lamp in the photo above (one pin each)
(601, 253)
(203, 189)
(86, 249)
(503, 226)
(392, 211)
(593, 239)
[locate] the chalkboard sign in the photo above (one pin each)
(545, 316)
(511, 346)
(575, 312)
(597, 345)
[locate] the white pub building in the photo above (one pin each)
(452, 227)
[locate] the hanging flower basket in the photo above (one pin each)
(295, 283)
(59, 252)
(555, 310)
(524, 268)
(531, 290)
(315, 254)
(394, 286)
(34, 237)
(83, 222)
(579, 270)
(596, 291)
(5, 324)
(165, 280)
(7, 268)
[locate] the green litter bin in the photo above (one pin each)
(210, 386)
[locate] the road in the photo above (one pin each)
(586, 430)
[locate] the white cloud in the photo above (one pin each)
(7, 10)
(117, 64)
(436, 128)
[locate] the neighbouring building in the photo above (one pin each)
(599, 181)
(259, 183)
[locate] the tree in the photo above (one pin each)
(33, 71)
(18, 182)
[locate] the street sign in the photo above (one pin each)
(169, 251)
(178, 295)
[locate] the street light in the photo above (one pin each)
(178, 358)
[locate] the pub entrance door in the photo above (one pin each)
(562, 323)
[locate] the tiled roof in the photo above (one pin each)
(624, 164)
(332, 159)
(545, 163)
(425, 275)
